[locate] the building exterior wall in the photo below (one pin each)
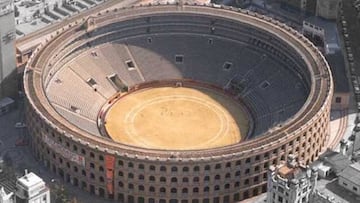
(347, 184)
(303, 5)
(235, 179)
(7, 43)
(340, 100)
(143, 176)
(328, 9)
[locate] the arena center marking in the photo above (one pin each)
(179, 118)
(129, 119)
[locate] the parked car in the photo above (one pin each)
(20, 125)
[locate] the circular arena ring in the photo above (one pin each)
(165, 115)
(176, 102)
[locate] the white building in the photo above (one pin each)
(6, 197)
(290, 182)
(31, 189)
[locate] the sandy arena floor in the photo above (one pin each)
(177, 119)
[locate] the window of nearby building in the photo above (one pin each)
(338, 99)
(179, 58)
(280, 189)
(210, 41)
(227, 65)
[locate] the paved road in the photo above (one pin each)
(21, 158)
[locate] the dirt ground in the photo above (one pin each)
(178, 118)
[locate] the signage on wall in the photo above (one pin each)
(58, 148)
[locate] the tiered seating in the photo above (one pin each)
(156, 59)
(117, 56)
(82, 99)
(88, 66)
(154, 66)
(80, 121)
(272, 92)
(260, 112)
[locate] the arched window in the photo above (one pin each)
(162, 179)
(207, 178)
(121, 174)
(196, 168)
(237, 173)
(246, 194)
(228, 175)
(152, 168)
(141, 166)
(207, 168)
(174, 180)
(131, 186)
(227, 186)
(218, 166)
(196, 179)
(195, 190)
(163, 168)
(120, 163)
(173, 190)
(162, 190)
(130, 175)
(141, 188)
(101, 179)
(217, 187)
(130, 165)
(246, 182)
(101, 168)
(120, 184)
(92, 176)
(217, 177)
(174, 169)
(151, 189)
(101, 158)
(92, 165)
(92, 155)
(206, 189)
(184, 190)
(141, 177)
(152, 178)
(186, 169)
(185, 180)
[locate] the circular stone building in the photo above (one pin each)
(176, 103)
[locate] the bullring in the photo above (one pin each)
(273, 72)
